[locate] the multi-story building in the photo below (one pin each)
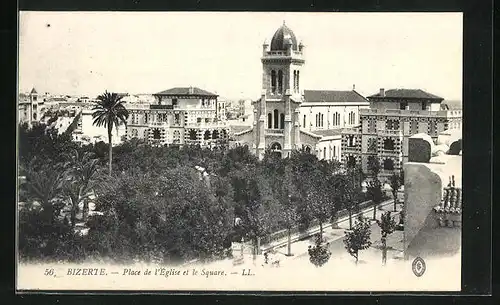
(395, 115)
(30, 107)
(179, 116)
(288, 118)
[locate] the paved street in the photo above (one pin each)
(335, 236)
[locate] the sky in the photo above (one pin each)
(86, 53)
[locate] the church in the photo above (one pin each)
(286, 117)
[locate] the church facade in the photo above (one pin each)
(286, 117)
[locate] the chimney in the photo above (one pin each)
(191, 90)
(382, 92)
(353, 87)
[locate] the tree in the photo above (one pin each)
(167, 218)
(288, 201)
(374, 166)
(40, 145)
(395, 184)
(109, 112)
(319, 254)
(82, 176)
(348, 193)
(358, 238)
(45, 186)
(374, 191)
(319, 198)
(387, 226)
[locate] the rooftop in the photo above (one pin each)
(333, 96)
(328, 132)
(239, 128)
(451, 105)
(186, 91)
(282, 37)
(405, 93)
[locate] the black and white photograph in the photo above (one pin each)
(239, 151)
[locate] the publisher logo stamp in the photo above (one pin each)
(418, 266)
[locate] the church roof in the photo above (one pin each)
(239, 128)
(281, 37)
(33, 91)
(406, 93)
(186, 91)
(328, 132)
(333, 96)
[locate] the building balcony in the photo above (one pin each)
(219, 124)
(356, 148)
(351, 130)
(413, 113)
(391, 152)
(283, 53)
(278, 132)
(388, 132)
(157, 124)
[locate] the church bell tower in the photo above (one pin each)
(276, 122)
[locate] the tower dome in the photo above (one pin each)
(282, 37)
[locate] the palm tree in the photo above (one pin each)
(109, 112)
(82, 176)
(45, 185)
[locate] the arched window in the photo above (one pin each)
(350, 141)
(389, 164)
(392, 125)
(317, 120)
(193, 135)
(335, 151)
(304, 121)
(308, 149)
(269, 120)
(156, 134)
(215, 134)
(282, 121)
(389, 144)
(273, 81)
(276, 119)
(206, 136)
(324, 152)
(176, 137)
(280, 81)
(322, 120)
(294, 80)
(298, 80)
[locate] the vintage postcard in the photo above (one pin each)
(239, 151)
